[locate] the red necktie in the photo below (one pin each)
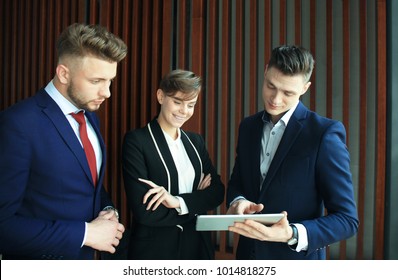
(88, 148)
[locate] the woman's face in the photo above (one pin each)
(174, 111)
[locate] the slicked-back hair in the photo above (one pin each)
(80, 40)
(181, 81)
(292, 60)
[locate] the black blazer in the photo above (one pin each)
(163, 233)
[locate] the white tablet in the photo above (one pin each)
(222, 222)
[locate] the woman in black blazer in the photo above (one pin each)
(169, 178)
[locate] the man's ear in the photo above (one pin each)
(63, 74)
(306, 87)
(266, 69)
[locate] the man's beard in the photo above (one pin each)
(74, 97)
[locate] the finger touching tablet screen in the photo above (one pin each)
(222, 222)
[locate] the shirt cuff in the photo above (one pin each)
(85, 234)
(302, 244)
(236, 199)
(183, 209)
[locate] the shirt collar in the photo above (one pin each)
(285, 118)
(66, 106)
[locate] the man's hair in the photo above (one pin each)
(80, 40)
(292, 60)
(183, 81)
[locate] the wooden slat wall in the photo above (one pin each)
(381, 104)
(312, 48)
(27, 44)
(227, 43)
(346, 87)
(363, 131)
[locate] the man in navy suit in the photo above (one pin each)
(51, 205)
(291, 160)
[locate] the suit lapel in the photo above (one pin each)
(193, 157)
(61, 124)
(166, 154)
(255, 149)
(289, 136)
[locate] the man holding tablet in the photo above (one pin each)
(293, 161)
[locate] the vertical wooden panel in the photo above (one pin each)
(123, 78)
(103, 17)
(212, 79)
(198, 66)
(64, 14)
(166, 36)
(346, 66)
(93, 11)
(156, 55)
(239, 81)
(329, 66)
(114, 119)
(381, 129)
(42, 43)
(3, 41)
(145, 62)
(135, 64)
(253, 58)
(26, 86)
(49, 30)
(13, 54)
(182, 34)
(18, 56)
(268, 33)
(35, 49)
(313, 51)
(239, 64)
(346, 88)
(81, 10)
(297, 22)
(225, 98)
(198, 59)
(115, 115)
(199, 37)
(329, 59)
(363, 129)
(282, 22)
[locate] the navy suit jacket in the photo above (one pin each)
(309, 172)
(46, 190)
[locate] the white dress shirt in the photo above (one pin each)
(186, 172)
